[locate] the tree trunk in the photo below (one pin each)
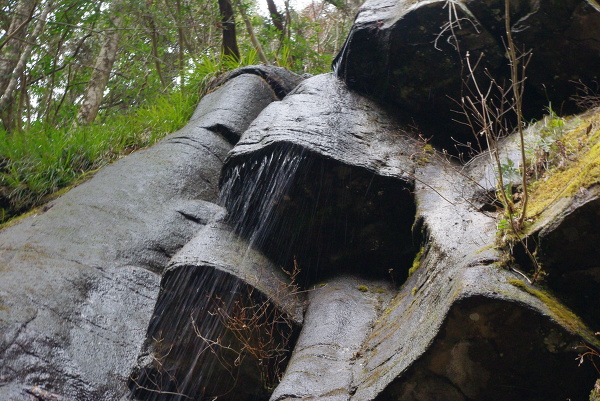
(230, 47)
(8, 94)
(13, 41)
(154, 40)
(11, 52)
(253, 39)
(104, 62)
(276, 16)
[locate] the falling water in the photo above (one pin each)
(180, 360)
(190, 351)
(336, 66)
(254, 191)
(286, 205)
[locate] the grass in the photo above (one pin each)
(41, 160)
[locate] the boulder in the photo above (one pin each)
(310, 181)
(459, 298)
(452, 328)
(413, 54)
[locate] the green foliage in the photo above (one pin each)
(545, 148)
(503, 225)
(41, 160)
(209, 66)
(510, 172)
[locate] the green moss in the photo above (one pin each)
(485, 248)
(595, 394)
(414, 291)
(580, 170)
(362, 288)
(563, 315)
(416, 262)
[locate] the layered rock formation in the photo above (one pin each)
(413, 53)
(80, 280)
(349, 259)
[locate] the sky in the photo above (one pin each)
(296, 4)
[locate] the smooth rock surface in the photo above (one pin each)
(229, 112)
(340, 315)
(322, 116)
(310, 180)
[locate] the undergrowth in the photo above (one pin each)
(38, 161)
(42, 159)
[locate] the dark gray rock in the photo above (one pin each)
(329, 186)
(457, 284)
(322, 116)
(281, 80)
(219, 110)
(459, 277)
(339, 317)
(482, 338)
(291, 178)
(568, 249)
(459, 281)
(413, 54)
(220, 302)
(79, 281)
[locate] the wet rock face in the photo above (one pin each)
(491, 350)
(223, 324)
(324, 177)
(570, 249)
(413, 53)
(327, 218)
(341, 228)
(79, 281)
(264, 178)
(340, 313)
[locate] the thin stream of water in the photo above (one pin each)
(182, 336)
(254, 190)
(188, 341)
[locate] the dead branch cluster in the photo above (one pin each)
(255, 327)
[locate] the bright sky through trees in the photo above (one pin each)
(295, 4)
